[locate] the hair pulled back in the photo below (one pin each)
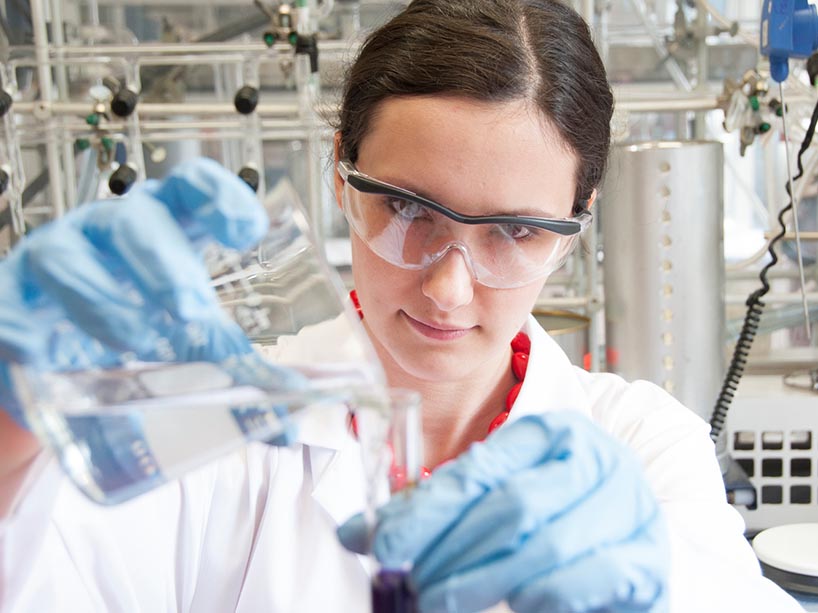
(491, 51)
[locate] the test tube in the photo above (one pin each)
(392, 591)
(405, 441)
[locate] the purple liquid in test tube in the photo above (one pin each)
(392, 593)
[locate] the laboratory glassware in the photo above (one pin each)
(123, 430)
(392, 453)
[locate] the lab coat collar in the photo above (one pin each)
(551, 382)
(339, 483)
(335, 461)
(323, 425)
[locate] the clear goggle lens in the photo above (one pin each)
(411, 235)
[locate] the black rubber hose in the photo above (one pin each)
(755, 304)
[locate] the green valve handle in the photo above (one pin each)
(754, 103)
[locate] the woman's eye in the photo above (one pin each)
(407, 209)
(515, 231)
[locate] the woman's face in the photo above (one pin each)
(438, 324)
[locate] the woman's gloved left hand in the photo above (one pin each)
(124, 276)
(550, 513)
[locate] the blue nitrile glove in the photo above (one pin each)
(550, 513)
(124, 275)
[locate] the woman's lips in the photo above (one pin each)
(438, 332)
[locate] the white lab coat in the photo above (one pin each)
(255, 531)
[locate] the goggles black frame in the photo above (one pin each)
(366, 184)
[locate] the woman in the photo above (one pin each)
(472, 138)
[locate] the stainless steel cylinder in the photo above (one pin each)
(662, 231)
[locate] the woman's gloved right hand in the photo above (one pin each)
(549, 513)
(126, 274)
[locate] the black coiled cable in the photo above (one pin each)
(755, 305)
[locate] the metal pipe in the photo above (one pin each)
(805, 236)
(44, 78)
(93, 12)
(253, 145)
(152, 109)
(684, 103)
(772, 320)
(307, 86)
(703, 68)
(625, 101)
(603, 39)
(595, 303)
(774, 273)
(164, 60)
(61, 74)
(215, 48)
(148, 109)
(588, 12)
(793, 298)
(235, 134)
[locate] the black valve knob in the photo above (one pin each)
(246, 100)
(776, 107)
(5, 102)
(4, 181)
(308, 44)
(124, 102)
(249, 175)
(122, 179)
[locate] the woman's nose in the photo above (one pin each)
(449, 281)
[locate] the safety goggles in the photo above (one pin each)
(413, 232)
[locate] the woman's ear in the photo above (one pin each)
(592, 199)
(339, 182)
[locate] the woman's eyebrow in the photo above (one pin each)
(528, 212)
(524, 211)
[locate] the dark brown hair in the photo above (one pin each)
(492, 51)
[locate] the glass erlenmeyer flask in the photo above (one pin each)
(124, 430)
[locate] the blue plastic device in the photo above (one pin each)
(789, 28)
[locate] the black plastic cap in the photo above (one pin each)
(124, 102)
(5, 102)
(250, 176)
(4, 181)
(122, 179)
(246, 100)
